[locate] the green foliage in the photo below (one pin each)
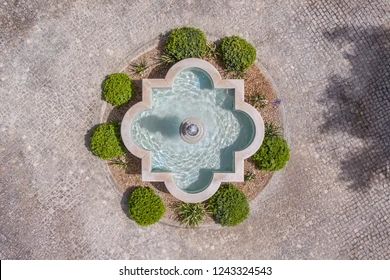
(167, 59)
(117, 89)
(212, 49)
(259, 101)
(271, 130)
(229, 205)
(273, 154)
(145, 207)
(238, 75)
(106, 141)
(191, 214)
(140, 67)
(249, 176)
(121, 162)
(186, 42)
(237, 54)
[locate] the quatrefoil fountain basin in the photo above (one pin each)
(192, 130)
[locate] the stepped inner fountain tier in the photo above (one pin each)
(192, 130)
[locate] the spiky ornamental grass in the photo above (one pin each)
(191, 214)
(140, 67)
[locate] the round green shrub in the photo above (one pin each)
(106, 141)
(117, 89)
(229, 206)
(145, 207)
(186, 42)
(191, 214)
(273, 154)
(237, 54)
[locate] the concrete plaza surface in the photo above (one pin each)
(329, 61)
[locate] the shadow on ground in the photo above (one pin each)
(359, 104)
(125, 200)
(87, 137)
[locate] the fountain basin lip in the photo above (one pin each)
(146, 156)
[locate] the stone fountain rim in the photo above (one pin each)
(146, 156)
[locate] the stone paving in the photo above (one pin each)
(329, 61)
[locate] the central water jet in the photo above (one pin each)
(191, 130)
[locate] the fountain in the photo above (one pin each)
(192, 130)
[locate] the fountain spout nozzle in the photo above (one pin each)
(191, 130)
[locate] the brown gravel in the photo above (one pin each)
(129, 177)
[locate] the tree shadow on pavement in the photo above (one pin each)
(359, 104)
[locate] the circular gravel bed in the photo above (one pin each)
(127, 174)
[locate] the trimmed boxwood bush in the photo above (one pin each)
(106, 141)
(191, 214)
(117, 89)
(145, 207)
(229, 205)
(237, 54)
(273, 154)
(186, 42)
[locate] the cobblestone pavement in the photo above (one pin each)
(329, 61)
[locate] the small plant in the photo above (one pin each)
(249, 176)
(273, 154)
(117, 89)
(276, 103)
(186, 42)
(145, 207)
(106, 141)
(191, 214)
(271, 130)
(229, 205)
(238, 75)
(237, 54)
(167, 59)
(121, 162)
(212, 49)
(140, 67)
(259, 101)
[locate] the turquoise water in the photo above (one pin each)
(226, 130)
